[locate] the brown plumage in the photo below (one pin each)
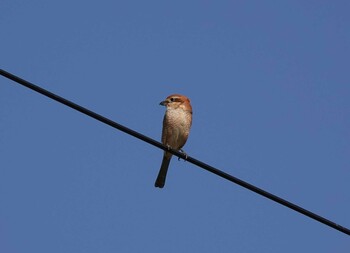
(176, 128)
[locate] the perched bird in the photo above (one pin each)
(176, 128)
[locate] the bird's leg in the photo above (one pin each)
(183, 152)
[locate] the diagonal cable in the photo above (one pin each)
(175, 152)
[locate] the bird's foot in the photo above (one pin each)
(183, 152)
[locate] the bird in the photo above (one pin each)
(177, 123)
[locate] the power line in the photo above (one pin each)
(175, 152)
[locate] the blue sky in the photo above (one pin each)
(269, 84)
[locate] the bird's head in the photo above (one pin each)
(177, 101)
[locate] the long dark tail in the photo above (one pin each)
(160, 181)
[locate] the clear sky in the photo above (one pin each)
(269, 83)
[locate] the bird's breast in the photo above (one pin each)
(177, 124)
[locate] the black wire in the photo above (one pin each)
(175, 152)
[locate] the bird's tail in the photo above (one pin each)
(160, 181)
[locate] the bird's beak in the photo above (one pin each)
(163, 103)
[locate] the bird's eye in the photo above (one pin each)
(172, 99)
